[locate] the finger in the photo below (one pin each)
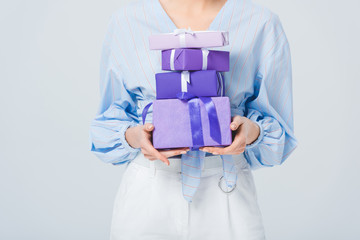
(240, 137)
(213, 150)
(217, 150)
(148, 127)
(230, 150)
(239, 143)
(152, 151)
(224, 151)
(236, 122)
(181, 150)
(150, 157)
(237, 146)
(174, 152)
(147, 154)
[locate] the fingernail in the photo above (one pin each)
(183, 152)
(215, 153)
(233, 126)
(204, 149)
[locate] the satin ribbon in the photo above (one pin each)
(185, 80)
(181, 33)
(145, 111)
(215, 132)
(172, 60)
(205, 54)
(221, 83)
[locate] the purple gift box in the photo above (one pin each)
(173, 128)
(182, 38)
(195, 59)
(207, 83)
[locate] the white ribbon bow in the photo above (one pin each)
(172, 60)
(181, 33)
(205, 54)
(185, 79)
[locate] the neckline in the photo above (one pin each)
(172, 25)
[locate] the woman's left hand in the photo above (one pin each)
(246, 132)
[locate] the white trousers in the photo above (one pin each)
(149, 206)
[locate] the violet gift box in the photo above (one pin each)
(195, 59)
(196, 39)
(208, 83)
(172, 123)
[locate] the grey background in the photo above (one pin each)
(52, 187)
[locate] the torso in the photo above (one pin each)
(241, 18)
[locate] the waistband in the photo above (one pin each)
(175, 163)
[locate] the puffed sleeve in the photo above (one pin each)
(117, 110)
(271, 105)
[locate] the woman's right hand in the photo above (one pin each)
(140, 137)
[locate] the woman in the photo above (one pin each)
(149, 203)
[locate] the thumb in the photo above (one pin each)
(148, 127)
(234, 126)
(236, 122)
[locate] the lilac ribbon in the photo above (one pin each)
(145, 111)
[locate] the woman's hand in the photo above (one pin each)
(246, 132)
(140, 137)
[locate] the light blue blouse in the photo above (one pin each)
(259, 83)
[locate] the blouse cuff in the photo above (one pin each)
(259, 139)
(123, 141)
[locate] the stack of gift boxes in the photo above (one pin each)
(190, 109)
